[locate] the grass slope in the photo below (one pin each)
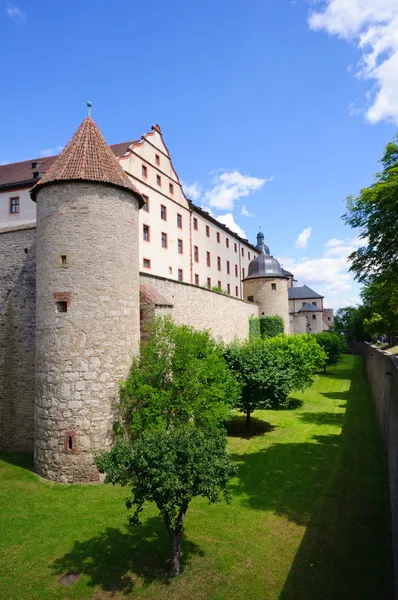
(309, 518)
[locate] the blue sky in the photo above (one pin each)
(273, 110)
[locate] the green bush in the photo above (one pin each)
(270, 369)
(266, 326)
(254, 328)
(271, 326)
(332, 344)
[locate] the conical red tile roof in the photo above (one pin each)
(87, 157)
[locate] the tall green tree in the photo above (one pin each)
(349, 322)
(170, 468)
(374, 212)
(180, 376)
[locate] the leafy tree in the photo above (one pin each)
(380, 299)
(180, 376)
(375, 213)
(269, 369)
(271, 326)
(170, 468)
(349, 322)
(332, 345)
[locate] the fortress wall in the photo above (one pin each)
(227, 317)
(17, 337)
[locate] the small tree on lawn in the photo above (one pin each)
(170, 468)
(270, 369)
(332, 344)
(179, 377)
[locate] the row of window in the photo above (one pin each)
(158, 179)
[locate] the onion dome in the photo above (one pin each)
(87, 157)
(264, 265)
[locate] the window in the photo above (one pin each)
(146, 263)
(243, 273)
(163, 212)
(196, 279)
(273, 286)
(146, 233)
(157, 159)
(158, 180)
(250, 298)
(227, 242)
(62, 306)
(303, 304)
(219, 263)
(145, 171)
(228, 267)
(208, 259)
(209, 282)
(180, 275)
(180, 247)
(146, 203)
(164, 240)
(328, 318)
(228, 288)
(195, 223)
(171, 188)
(236, 247)
(248, 255)
(313, 317)
(236, 291)
(64, 260)
(243, 251)
(315, 304)
(219, 284)
(35, 165)
(179, 221)
(14, 205)
(196, 253)
(218, 236)
(170, 270)
(207, 231)
(236, 270)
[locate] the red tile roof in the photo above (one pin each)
(15, 174)
(87, 157)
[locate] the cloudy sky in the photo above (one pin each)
(274, 111)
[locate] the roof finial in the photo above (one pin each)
(89, 105)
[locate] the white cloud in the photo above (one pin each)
(15, 13)
(303, 237)
(229, 221)
(373, 26)
(51, 151)
(193, 191)
(245, 212)
(328, 274)
(230, 186)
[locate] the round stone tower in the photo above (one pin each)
(266, 285)
(87, 319)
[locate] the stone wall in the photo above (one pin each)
(227, 317)
(17, 337)
(382, 370)
(271, 295)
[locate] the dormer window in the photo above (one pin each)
(36, 174)
(35, 165)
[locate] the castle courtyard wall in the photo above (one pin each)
(17, 337)
(227, 317)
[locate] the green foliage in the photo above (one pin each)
(271, 326)
(254, 328)
(170, 468)
(266, 326)
(269, 369)
(332, 345)
(179, 377)
(380, 300)
(349, 322)
(218, 290)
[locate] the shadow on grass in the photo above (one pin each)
(18, 459)
(236, 427)
(323, 418)
(114, 560)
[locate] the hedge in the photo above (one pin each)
(266, 326)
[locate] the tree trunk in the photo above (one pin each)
(175, 538)
(248, 419)
(324, 368)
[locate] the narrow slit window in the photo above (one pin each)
(62, 306)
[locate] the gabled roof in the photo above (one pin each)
(310, 308)
(302, 293)
(87, 157)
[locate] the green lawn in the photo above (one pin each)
(309, 519)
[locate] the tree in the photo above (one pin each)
(180, 376)
(375, 213)
(349, 322)
(332, 345)
(270, 369)
(170, 468)
(380, 299)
